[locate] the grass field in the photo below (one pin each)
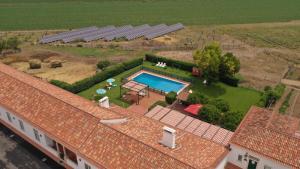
(53, 14)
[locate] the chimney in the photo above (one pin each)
(169, 137)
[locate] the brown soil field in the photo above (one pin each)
(265, 50)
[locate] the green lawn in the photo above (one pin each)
(239, 98)
(53, 14)
(113, 93)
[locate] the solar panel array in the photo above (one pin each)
(109, 33)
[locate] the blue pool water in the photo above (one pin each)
(158, 83)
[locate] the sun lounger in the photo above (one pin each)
(158, 64)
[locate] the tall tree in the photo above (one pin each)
(208, 60)
(229, 65)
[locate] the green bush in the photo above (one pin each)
(210, 113)
(103, 64)
(161, 103)
(197, 98)
(171, 97)
(220, 104)
(170, 62)
(270, 95)
(232, 119)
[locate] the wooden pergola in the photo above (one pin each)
(136, 87)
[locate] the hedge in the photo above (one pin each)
(230, 80)
(98, 77)
(170, 62)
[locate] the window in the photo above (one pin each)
(8, 117)
(267, 167)
(71, 156)
(36, 134)
(50, 143)
(21, 125)
(240, 158)
(86, 166)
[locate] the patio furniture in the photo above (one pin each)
(101, 91)
(158, 64)
(111, 80)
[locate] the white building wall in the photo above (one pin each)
(263, 161)
(82, 162)
(222, 163)
(30, 134)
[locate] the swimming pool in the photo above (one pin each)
(159, 83)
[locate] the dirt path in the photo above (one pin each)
(295, 104)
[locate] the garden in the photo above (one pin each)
(224, 102)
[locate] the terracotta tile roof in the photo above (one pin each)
(75, 122)
(271, 135)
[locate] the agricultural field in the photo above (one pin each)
(64, 14)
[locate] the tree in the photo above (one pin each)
(208, 60)
(196, 98)
(13, 43)
(210, 113)
(229, 65)
(221, 104)
(103, 64)
(232, 119)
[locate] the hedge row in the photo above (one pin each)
(170, 62)
(187, 79)
(99, 77)
(230, 80)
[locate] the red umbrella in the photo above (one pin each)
(193, 108)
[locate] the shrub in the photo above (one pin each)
(210, 113)
(161, 103)
(232, 119)
(171, 97)
(270, 96)
(230, 80)
(220, 104)
(103, 64)
(196, 98)
(170, 62)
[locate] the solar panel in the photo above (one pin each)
(86, 34)
(102, 35)
(129, 32)
(146, 31)
(170, 29)
(60, 36)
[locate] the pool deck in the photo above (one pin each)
(186, 84)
